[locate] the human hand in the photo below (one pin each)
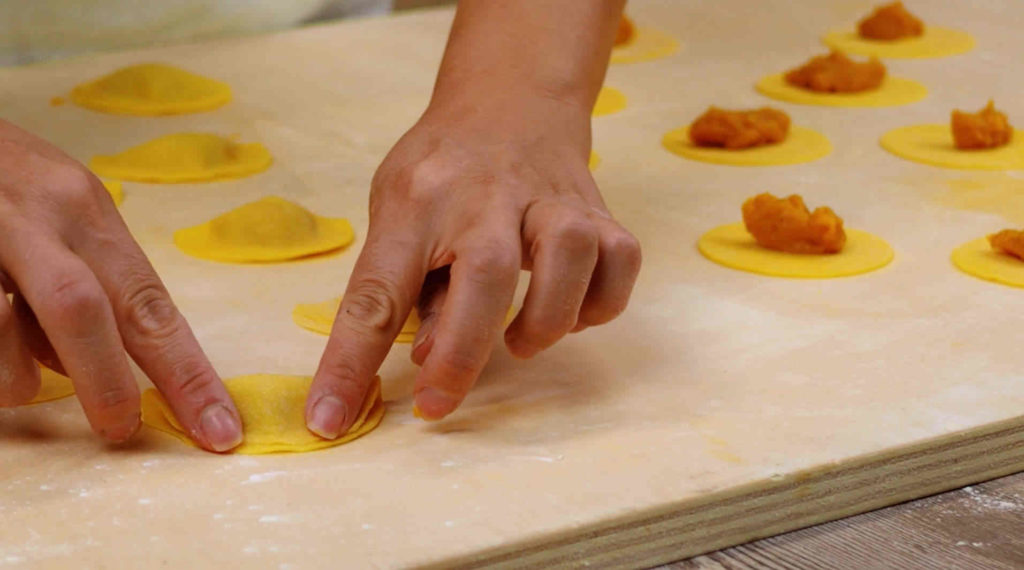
(473, 192)
(83, 294)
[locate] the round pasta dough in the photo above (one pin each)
(801, 145)
(936, 42)
(933, 144)
(267, 230)
(184, 157)
(609, 100)
(272, 408)
(732, 246)
(893, 92)
(647, 44)
(319, 318)
(594, 161)
(152, 89)
(978, 259)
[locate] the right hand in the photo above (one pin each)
(84, 294)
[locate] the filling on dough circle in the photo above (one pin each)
(184, 157)
(267, 230)
(935, 42)
(800, 145)
(646, 44)
(893, 91)
(732, 245)
(933, 145)
(272, 409)
(998, 258)
(152, 89)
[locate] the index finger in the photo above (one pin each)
(159, 339)
(384, 285)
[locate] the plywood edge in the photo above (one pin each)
(771, 506)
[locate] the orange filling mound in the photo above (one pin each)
(1010, 242)
(988, 128)
(785, 224)
(890, 22)
(836, 73)
(739, 129)
(626, 31)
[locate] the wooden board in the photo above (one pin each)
(720, 408)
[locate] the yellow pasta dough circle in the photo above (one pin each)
(53, 386)
(647, 44)
(594, 161)
(935, 42)
(272, 408)
(152, 89)
(267, 230)
(732, 246)
(319, 318)
(933, 144)
(609, 100)
(801, 145)
(184, 157)
(893, 92)
(977, 259)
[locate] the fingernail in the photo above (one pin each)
(220, 428)
(123, 432)
(433, 404)
(327, 417)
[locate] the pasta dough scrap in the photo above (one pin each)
(890, 22)
(893, 91)
(647, 44)
(988, 128)
(115, 190)
(53, 386)
(836, 73)
(272, 409)
(801, 145)
(267, 230)
(319, 318)
(184, 157)
(785, 224)
(933, 145)
(152, 89)
(739, 129)
(609, 101)
(732, 246)
(978, 259)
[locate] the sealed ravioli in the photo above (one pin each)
(272, 409)
(152, 89)
(184, 157)
(267, 230)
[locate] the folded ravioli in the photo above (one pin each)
(319, 318)
(152, 89)
(272, 408)
(269, 229)
(53, 386)
(184, 157)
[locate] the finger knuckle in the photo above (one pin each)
(574, 233)
(625, 247)
(115, 398)
(75, 301)
(194, 380)
(148, 309)
(372, 303)
(491, 261)
(421, 181)
(75, 186)
(460, 369)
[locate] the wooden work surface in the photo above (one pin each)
(722, 407)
